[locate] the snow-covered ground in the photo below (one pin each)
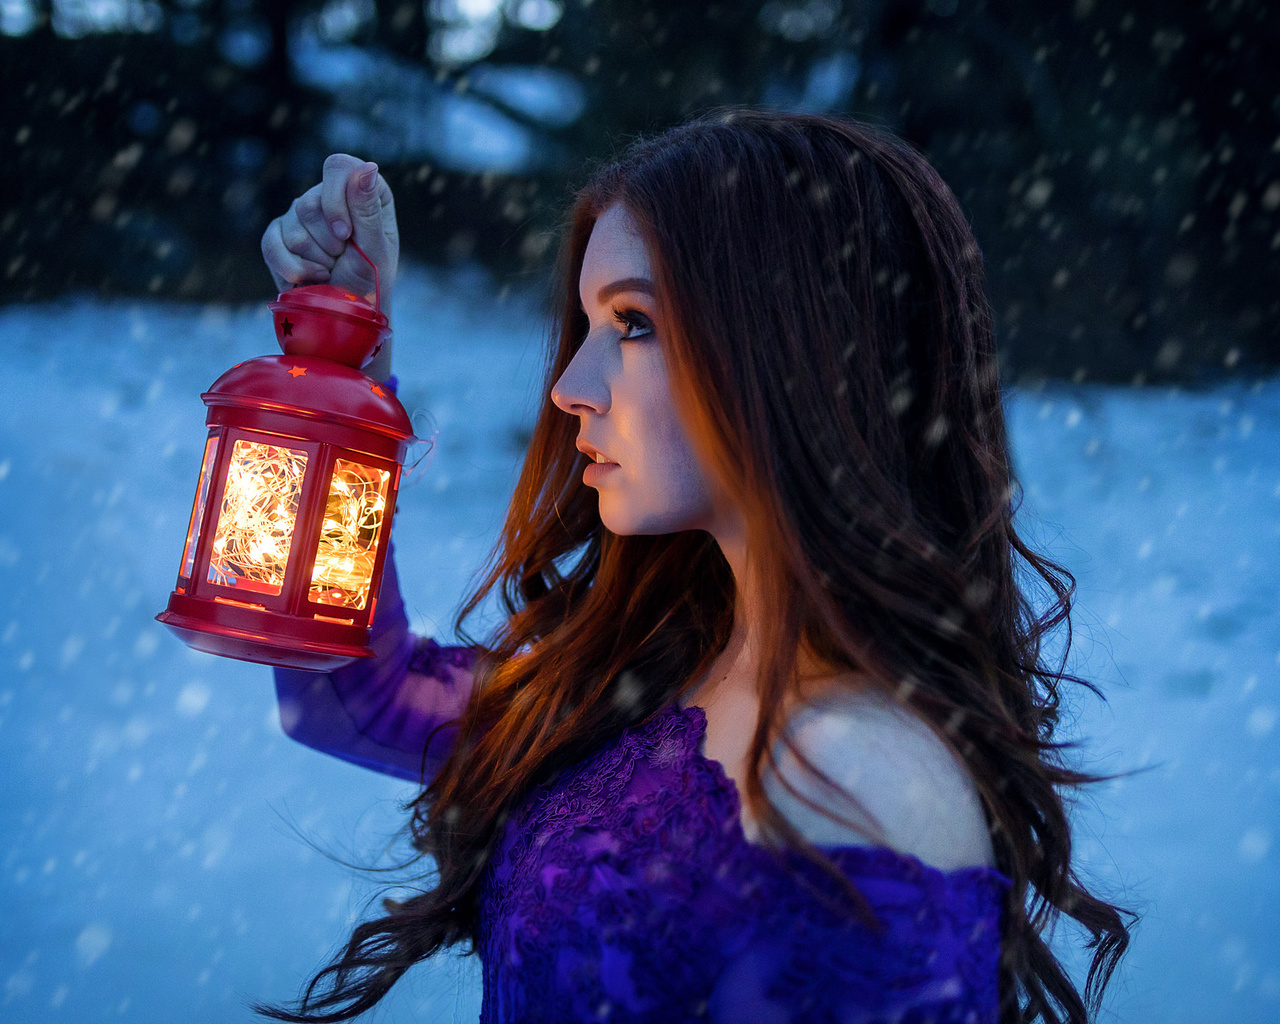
(150, 863)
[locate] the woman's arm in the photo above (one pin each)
(384, 713)
(389, 712)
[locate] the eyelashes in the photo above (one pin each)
(631, 319)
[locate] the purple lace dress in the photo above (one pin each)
(625, 890)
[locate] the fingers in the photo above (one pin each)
(301, 246)
(307, 233)
(363, 200)
(374, 221)
(338, 168)
(287, 267)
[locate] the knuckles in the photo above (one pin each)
(306, 208)
(340, 161)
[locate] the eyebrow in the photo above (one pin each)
(626, 284)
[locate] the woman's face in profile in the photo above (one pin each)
(617, 386)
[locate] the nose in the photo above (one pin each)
(582, 386)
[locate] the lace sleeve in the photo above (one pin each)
(390, 713)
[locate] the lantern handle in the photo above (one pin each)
(377, 290)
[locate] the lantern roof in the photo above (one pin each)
(313, 388)
(331, 299)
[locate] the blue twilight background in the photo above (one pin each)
(149, 865)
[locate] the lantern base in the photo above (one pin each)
(267, 642)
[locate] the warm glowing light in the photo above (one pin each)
(255, 527)
(349, 534)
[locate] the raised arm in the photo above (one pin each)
(386, 713)
(389, 713)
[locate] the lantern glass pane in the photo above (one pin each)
(255, 526)
(197, 509)
(353, 518)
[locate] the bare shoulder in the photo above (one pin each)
(895, 767)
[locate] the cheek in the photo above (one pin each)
(666, 467)
(672, 456)
(662, 436)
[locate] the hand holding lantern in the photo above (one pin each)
(289, 530)
(307, 244)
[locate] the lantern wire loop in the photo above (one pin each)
(424, 443)
(377, 289)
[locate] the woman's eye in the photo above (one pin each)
(631, 319)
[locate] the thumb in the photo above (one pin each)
(365, 206)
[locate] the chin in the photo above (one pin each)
(624, 526)
(629, 523)
(671, 505)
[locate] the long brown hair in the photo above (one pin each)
(830, 350)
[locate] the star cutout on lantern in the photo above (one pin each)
(286, 327)
(377, 390)
(297, 371)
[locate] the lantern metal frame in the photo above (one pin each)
(343, 415)
(253, 617)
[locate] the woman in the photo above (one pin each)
(765, 735)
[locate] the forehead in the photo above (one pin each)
(614, 251)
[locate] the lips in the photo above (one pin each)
(594, 454)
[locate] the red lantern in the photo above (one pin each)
(292, 514)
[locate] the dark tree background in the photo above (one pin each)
(1118, 160)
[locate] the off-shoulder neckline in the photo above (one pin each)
(862, 853)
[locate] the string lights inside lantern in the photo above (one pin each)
(289, 529)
